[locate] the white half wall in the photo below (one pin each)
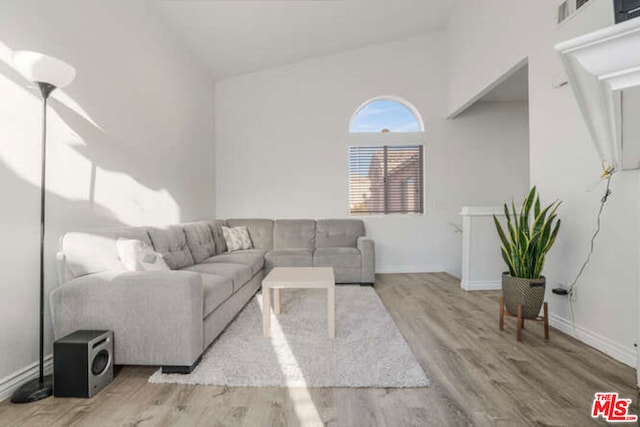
(481, 263)
(282, 147)
(130, 142)
(564, 163)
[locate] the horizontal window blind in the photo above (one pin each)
(386, 179)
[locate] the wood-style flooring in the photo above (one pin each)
(479, 376)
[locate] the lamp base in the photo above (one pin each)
(33, 390)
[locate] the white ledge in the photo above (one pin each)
(481, 211)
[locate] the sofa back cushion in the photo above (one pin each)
(137, 255)
(200, 240)
(216, 230)
(260, 231)
(338, 233)
(96, 251)
(294, 234)
(171, 242)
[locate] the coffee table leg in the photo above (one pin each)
(276, 300)
(266, 312)
(331, 312)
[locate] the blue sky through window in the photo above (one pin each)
(384, 114)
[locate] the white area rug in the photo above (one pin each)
(368, 350)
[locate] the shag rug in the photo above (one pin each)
(368, 350)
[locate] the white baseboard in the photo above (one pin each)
(482, 285)
(10, 383)
(619, 352)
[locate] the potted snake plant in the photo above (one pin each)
(526, 240)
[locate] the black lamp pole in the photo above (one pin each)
(41, 387)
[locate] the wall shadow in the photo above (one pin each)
(141, 104)
(19, 248)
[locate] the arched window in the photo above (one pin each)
(386, 114)
(388, 177)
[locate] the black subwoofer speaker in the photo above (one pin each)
(82, 363)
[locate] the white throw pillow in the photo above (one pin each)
(237, 238)
(137, 255)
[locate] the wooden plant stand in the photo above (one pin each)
(520, 320)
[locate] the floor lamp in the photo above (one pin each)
(47, 73)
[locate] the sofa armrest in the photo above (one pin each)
(156, 316)
(368, 251)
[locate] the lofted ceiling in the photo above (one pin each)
(236, 37)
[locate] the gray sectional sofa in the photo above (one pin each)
(169, 318)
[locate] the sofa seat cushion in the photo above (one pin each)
(238, 273)
(171, 242)
(337, 257)
(252, 258)
(200, 240)
(288, 258)
(215, 290)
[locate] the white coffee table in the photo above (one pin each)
(302, 278)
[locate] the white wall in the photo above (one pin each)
(282, 147)
(564, 163)
(147, 160)
(486, 39)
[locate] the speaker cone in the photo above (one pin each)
(100, 362)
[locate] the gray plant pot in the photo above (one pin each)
(527, 292)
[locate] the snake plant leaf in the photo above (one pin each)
(533, 245)
(546, 231)
(556, 204)
(501, 234)
(514, 256)
(512, 234)
(539, 267)
(507, 216)
(533, 255)
(507, 261)
(526, 209)
(523, 241)
(540, 219)
(554, 234)
(549, 220)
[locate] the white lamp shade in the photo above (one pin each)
(41, 68)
